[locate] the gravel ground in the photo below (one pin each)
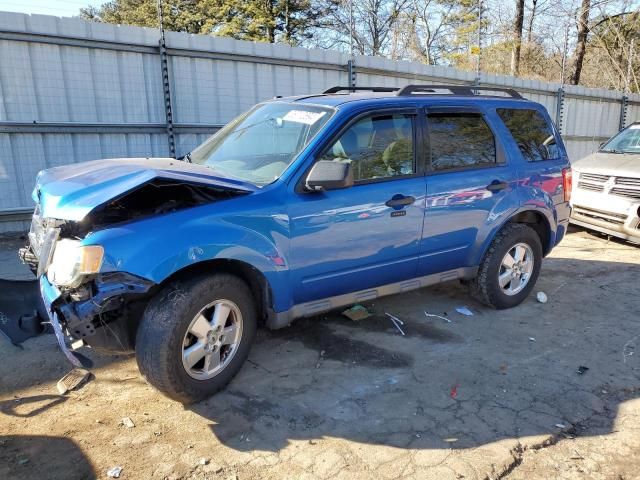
(493, 395)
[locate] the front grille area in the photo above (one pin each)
(593, 177)
(37, 232)
(612, 218)
(626, 192)
(628, 181)
(592, 182)
(627, 187)
(592, 187)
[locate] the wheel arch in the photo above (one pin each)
(254, 278)
(538, 222)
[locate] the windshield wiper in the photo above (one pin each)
(613, 150)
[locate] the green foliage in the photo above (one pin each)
(287, 21)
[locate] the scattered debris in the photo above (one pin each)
(561, 425)
(450, 440)
(577, 456)
(127, 422)
(582, 369)
(396, 321)
(204, 461)
(23, 461)
(464, 311)
(437, 316)
(532, 339)
(454, 391)
(560, 286)
(541, 297)
(356, 312)
(114, 472)
(628, 349)
(72, 380)
(503, 368)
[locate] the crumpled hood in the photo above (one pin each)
(616, 164)
(72, 191)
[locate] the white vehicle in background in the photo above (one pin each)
(606, 187)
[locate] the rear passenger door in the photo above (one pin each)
(470, 187)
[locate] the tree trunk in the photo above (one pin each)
(517, 37)
(581, 44)
(534, 5)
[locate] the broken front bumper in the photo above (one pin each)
(101, 317)
(49, 295)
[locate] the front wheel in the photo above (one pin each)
(510, 268)
(195, 335)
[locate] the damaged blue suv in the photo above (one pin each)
(298, 206)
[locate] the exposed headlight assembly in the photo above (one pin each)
(72, 261)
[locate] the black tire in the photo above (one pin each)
(160, 336)
(485, 287)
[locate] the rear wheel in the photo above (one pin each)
(195, 335)
(510, 268)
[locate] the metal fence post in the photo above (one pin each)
(623, 111)
(559, 108)
(166, 87)
(351, 65)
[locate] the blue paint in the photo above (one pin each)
(314, 245)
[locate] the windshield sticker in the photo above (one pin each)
(303, 116)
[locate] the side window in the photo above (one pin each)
(532, 133)
(378, 146)
(460, 140)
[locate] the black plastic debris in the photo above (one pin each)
(582, 369)
(21, 310)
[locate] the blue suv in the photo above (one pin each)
(299, 206)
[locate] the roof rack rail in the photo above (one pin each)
(464, 90)
(361, 89)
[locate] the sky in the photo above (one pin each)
(59, 8)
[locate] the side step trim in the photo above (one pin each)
(309, 309)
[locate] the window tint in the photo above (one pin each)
(532, 133)
(377, 147)
(460, 140)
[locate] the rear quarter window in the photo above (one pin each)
(532, 133)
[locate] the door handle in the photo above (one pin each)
(399, 201)
(497, 185)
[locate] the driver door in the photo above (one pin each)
(369, 234)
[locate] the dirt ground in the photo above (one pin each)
(493, 395)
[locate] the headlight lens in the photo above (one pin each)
(71, 261)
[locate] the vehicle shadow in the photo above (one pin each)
(37, 456)
(459, 384)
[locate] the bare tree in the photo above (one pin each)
(517, 37)
(532, 17)
(426, 29)
(581, 42)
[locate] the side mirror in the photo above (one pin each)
(329, 175)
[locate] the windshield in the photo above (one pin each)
(259, 145)
(627, 141)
